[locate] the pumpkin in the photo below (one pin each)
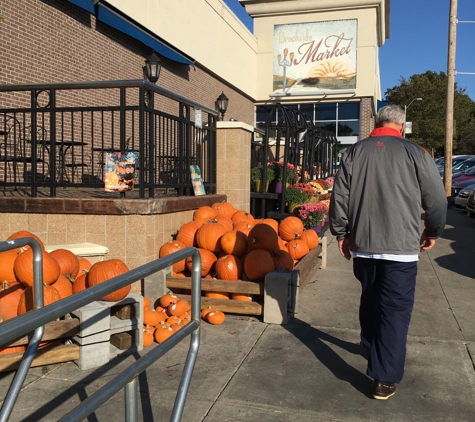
(262, 236)
(282, 244)
(173, 319)
(178, 308)
(270, 222)
(224, 208)
(297, 248)
(11, 349)
(9, 298)
(105, 270)
(204, 214)
(152, 318)
(217, 295)
(229, 267)
(167, 299)
(215, 317)
(187, 233)
(208, 260)
(311, 238)
(171, 247)
(206, 311)
(84, 265)
(224, 221)
(25, 233)
(26, 303)
(290, 228)
(241, 296)
(208, 236)
(79, 284)
(146, 303)
(243, 227)
(23, 268)
(162, 332)
(147, 337)
(257, 264)
(233, 243)
(68, 263)
(63, 286)
(7, 260)
(242, 215)
(283, 259)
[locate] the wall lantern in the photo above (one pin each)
(222, 104)
(153, 65)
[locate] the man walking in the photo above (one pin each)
(382, 185)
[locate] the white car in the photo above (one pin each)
(461, 199)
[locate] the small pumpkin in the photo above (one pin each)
(205, 312)
(311, 238)
(162, 332)
(178, 308)
(152, 318)
(147, 338)
(297, 248)
(105, 270)
(146, 303)
(167, 299)
(217, 295)
(215, 317)
(242, 296)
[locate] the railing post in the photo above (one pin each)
(131, 400)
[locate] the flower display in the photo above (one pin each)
(312, 214)
(304, 187)
(330, 181)
(278, 167)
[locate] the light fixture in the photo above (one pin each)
(153, 65)
(222, 104)
(405, 110)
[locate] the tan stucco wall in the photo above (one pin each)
(208, 31)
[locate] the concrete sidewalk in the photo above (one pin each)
(308, 370)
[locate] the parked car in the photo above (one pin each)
(461, 168)
(456, 160)
(470, 207)
(468, 175)
(461, 199)
(457, 187)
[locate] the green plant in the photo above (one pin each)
(278, 167)
(296, 196)
(256, 174)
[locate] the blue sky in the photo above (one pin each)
(418, 40)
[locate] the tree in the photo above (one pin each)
(428, 116)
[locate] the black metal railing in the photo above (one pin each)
(67, 135)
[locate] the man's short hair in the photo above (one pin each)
(391, 113)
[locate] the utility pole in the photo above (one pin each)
(449, 112)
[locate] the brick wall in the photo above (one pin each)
(56, 41)
(367, 117)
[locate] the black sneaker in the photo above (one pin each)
(383, 391)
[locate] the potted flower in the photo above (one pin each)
(312, 215)
(257, 177)
(294, 197)
(278, 167)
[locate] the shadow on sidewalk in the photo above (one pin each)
(316, 340)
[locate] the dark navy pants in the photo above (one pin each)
(387, 299)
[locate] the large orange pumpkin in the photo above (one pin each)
(26, 303)
(25, 233)
(291, 228)
(243, 227)
(68, 262)
(171, 247)
(311, 238)
(297, 248)
(271, 222)
(9, 298)
(257, 264)
(282, 259)
(84, 265)
(208, 236)
(187, 233)
(105, 270)
(7, 260)
(63, 286)
(242, 215)
(234, 243)
(23, 268)
(208, 260)
(204, 214)
(229, 267)
(263, 236)
(224, 208)
(224, 221)
(80, 283)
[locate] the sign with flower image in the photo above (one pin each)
(120, 171)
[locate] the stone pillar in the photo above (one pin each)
(234, 162)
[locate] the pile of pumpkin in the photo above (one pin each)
(64, 274)
(171, 314)
(233, 245)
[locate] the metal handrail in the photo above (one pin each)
(24, 324)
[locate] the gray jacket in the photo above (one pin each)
(382, 186)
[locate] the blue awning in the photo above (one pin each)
(84, 4)
(126, 25)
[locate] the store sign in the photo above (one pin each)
(315, 56)
(408, 128)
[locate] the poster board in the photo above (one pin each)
(197, 181)
(120, 171)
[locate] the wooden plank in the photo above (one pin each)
(46, 356)
(122, 341)
(216, 285)
(123, 311)
(54, 330)
(230, 306)
(307, 267)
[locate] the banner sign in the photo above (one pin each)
(120, 171)
(315, 56)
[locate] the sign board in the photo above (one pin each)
(120, 171)
(408, 128)
(198, 118)
(196, 181)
